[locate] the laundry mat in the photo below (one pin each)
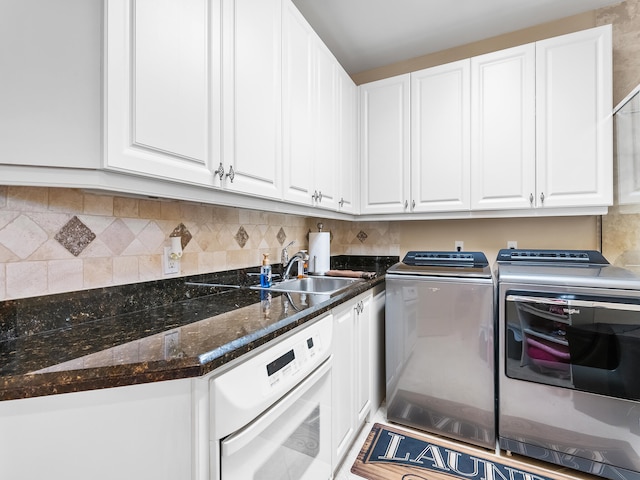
(393, 454)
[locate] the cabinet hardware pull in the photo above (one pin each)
(320, 196)
(413, 204)
(406, 204)
(341, 202)
(542, 197)
(531, 199)
(220, 171)
(231, 174)
(314, 197)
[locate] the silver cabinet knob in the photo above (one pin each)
(531, 199)
(220, 171)
(542, 197)
(406, 204)
(231, 174)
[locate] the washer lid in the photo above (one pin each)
(443, 263)
(556, 257)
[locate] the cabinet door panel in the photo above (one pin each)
(573, 119)
(440, 127)
(298, 38)
(347, 150)
(503, 128)
(385, 140)
(161, 88)
(252, 100)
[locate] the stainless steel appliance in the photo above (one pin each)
(569, 360)
(272, 413)
(440, 345)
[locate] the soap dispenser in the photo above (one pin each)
(265, 271)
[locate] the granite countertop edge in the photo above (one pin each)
(67, 381)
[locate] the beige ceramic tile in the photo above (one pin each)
(117, 236)
(98, 204)
(65, 275)
(153, 238)
(150, 267)
(125, 207)
(3, 282)
(66, 200)
(23, 236)
(27, 199)
(26, 279)
(97, 272)
(150, 209)
(125, 270)
(170, 211)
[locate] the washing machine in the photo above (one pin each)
(440, 345)
(569, 357)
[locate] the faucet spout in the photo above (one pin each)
(284, 257)
(301, 255)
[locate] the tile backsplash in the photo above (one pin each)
(58, 240)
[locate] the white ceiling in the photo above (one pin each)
(365, 34)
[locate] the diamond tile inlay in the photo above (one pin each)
(184, 234)
(242, 237)
(361, 236)
(75, 236)
(281, 236)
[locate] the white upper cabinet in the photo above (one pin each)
(162, 89)
(348, 165)
(440, 138)
(503, 157)
(324, 172)
(50, 78)
(574, 119)
(252, 134)
(311, 112)
(385, 145)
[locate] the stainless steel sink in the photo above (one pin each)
(321, 285)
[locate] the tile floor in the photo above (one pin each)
(380, 416)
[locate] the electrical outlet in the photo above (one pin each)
(169, 265)
(172, 344)
(459, 245)
(512, 244)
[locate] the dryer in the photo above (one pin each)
(569, 360)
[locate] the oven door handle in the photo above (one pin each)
(627, 307)
(237, 441)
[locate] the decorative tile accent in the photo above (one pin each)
(242, 237)
(75, 236)
(362, 236)
(184, 234)
(281, 236)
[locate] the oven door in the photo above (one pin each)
(292, 439)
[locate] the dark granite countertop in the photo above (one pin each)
(151, 331)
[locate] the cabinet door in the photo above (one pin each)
(385, 145)
(503, 129)
(324, 171)
(50, 97)
(573, 119)
(342, 382)
(440, 138)
(348, 165)
(163, 92)
(252, 97)
(298, 76)
(363, 359)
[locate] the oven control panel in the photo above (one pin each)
(290, 362)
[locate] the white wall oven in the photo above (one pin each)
(569, 361)
(271, 414)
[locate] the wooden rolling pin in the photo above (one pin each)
(350, 274)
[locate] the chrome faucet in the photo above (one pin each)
(284, 257)
(301, 255)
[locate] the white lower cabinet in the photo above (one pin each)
(351, 373)
(142, 432)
